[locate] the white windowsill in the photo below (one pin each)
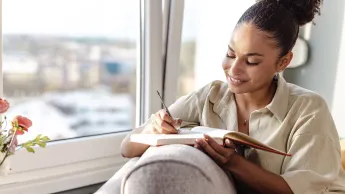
(64, 165)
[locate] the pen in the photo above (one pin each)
(166, 109)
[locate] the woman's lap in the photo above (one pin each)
(170, 169)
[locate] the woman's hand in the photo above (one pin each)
(161, 122)
(222, 155)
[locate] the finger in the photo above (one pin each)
(210, 151)
(162, 128)
(165, 116)
(154, 126)
(237, 148)
(155, 131)
(229, 144)
(164, 125)
(197, 146)
(159, 129)
(177, 123)
(218, 148)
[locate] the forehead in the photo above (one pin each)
(246, 38)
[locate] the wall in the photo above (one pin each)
(215, 26)
(320, 72)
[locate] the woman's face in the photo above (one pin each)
(252, 60)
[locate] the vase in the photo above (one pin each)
(5, 166)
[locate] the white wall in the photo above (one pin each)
(217, 21)
(338, 108)
(324, 71)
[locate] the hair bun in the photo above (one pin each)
(303, 10)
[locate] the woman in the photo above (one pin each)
(257, 101)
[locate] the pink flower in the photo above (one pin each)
(23, 124)
(4, 105)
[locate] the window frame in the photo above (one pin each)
(77, 162)
(174, 21)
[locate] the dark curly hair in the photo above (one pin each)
(281, 18)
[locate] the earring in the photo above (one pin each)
(276, 76)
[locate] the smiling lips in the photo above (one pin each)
(235, 81)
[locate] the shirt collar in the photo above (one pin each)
(279, 103)
(225, 105)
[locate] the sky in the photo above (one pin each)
(95, 18)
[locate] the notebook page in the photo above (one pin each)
(212, 132)
(165, 139)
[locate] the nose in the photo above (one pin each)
(234, 67)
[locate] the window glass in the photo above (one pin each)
(70, 65)
(207, 27)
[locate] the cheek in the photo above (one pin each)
(261, 75)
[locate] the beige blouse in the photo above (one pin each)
(297, 121)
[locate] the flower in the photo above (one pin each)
(21, 124)
(4, 105)
(8, 138)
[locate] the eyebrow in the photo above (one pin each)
(248, 54)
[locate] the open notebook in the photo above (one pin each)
(188, 137)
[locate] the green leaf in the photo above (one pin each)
(41, 144)
(30, 149)
(45, 138)
(1, 141)
(38, 137)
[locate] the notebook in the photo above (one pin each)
(188, 137)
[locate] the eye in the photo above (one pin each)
(252, 64)
(230, 56)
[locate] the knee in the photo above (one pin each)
(168, 177)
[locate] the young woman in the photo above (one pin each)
(257, 101)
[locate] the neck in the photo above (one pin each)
(256, 100)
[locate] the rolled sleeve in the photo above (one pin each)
(188, 108)
(314, 165)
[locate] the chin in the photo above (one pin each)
(238, 90)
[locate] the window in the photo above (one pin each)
(70, 66)
(101, 52)
(207, 28)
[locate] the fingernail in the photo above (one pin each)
(199, 141)
(179, 121)
(227, 141)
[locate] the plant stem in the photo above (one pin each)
(3, 159)
(8, 147)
